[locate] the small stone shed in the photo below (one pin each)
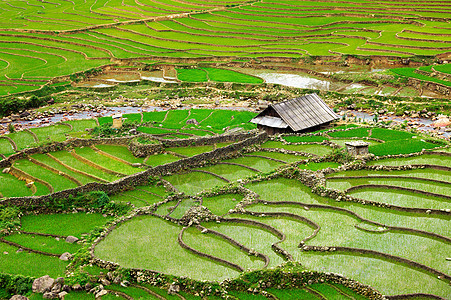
(356, 148)
(117, 120)
(303, 114)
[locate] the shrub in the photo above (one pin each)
(11, 128)
(15, 284)
(339, 155)
(14, 105)
(9, 219)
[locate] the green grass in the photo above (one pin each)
(43, 243)
(445, 68)
(320, 150)
(390, 135)
(59, 183)
(191, 151)
(105, 120)
(223, 75)
(400, 198)
(192, 75)
(289, 158)
(22, 139)
(138, 197)
(400, 147)
(154, 116)
(261, 164)
(293, 294)
(6, 148)
(106, 162)
(303, 139)
(430, 159)
(10, 186)
(68, 159)
(283, 189)
(419, 184)
(194, 182)
(134, 292)
(420, 173)
(29, 264)
(54, 164)
(182, 207)
(319, 166)
(63, 224)
(229, 172)
(356, 132)
(220, 205)
(410, 72)
(175, 118)
(161, 159)
(154, 130)
(51, 133)
(218, 247)
(81, 125)
(121, 152)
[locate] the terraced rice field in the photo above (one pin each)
(46, 40)
(42, 174)
(59, 226)
(306, 220)
(253, 210)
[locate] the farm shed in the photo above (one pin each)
(357, 148)
(306, 113)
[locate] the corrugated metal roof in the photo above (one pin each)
(270, 121)
(304, 112)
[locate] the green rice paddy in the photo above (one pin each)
(319, 150)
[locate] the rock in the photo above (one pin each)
(217, 102)
(56, 288)
(192, 121)
(71, 239)
(49, 295)
(101, 293)
(24, 114)
(66, 288)
(173, 289)
(104, 281)
(65, 256)
(117, 280)
(42, 284)
(18, 297)
(76, 287)
(125, 283)
(88, 286)
(62, 294)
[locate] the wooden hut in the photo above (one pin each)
(303, 114)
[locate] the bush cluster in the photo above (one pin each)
(13, 105)
(9, 219)
(14, 284)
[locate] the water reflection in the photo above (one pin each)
(295, 80)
